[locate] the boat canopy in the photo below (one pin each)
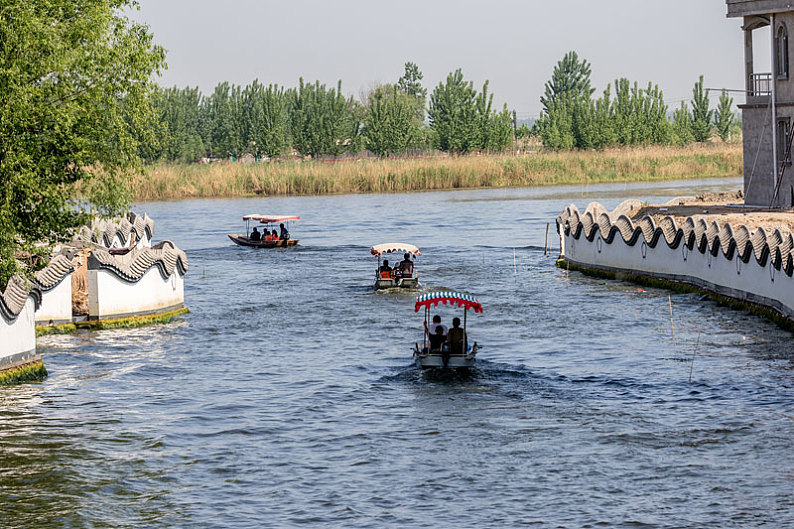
(394, 247)
(447, 297)
(269, 219)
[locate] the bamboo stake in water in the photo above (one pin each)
(515, 270)
(670, 301)
(695, 352)
(546, 244)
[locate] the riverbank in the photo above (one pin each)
(294, 178)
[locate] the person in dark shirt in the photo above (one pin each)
(437, 340)
(456, 338)
(284, 232)
(255, 235)
(405, 268)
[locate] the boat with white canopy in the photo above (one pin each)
(265, 239)
(453, 351)
(402, 274)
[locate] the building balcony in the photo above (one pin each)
(759, 88)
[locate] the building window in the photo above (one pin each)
(781, 57)
(783, 139)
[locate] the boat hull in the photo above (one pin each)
(407, 282)
(242, 240)
(434, 360)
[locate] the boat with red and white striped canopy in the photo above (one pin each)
(454, 351)
(402, 274)
(279, 238)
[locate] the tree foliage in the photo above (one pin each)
(723, 117)
(323, 120)
(701, 114)
(462, 120)
(569, 83)
(410, 84)
(391, 126)
(75, 84)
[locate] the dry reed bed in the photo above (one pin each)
(396, 175)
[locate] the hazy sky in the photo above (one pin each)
(513, 43)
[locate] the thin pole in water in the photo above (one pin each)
(695, 352)
(546, 244)
(515, 270)
(670, 301)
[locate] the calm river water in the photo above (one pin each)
(287, 396)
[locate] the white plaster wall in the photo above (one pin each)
(109, 296)
(732, 277)
(56, 304)
(18, 336)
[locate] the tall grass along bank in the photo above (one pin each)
(226, 179)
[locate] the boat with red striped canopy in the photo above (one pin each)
(454, 351)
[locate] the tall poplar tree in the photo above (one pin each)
(453, 114)
(723, 117)
(701, 114)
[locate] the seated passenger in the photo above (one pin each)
(456, 338)
(437, 323)
(255, 235)
(385, 270)
(437, 341)
(268, 235)
(405, 268)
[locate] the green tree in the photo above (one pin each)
(265, 120)
(411, 84)
(75, 84)
(323, 121)
(723, 117)
(178, 115)
(390, 126)
(453, 115)
(682, 125)
(701, 114)
(570, 81)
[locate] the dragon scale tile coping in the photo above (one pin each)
(132, 266)
(773, 246)
(103, 231)
(15, 295)
(60, 266)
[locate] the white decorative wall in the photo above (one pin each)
(18, 336)
(111, 296)
(56, 304)
(749, 265)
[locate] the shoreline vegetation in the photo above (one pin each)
(305, 178)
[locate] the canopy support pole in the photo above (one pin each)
(465, 337)
(427, 324)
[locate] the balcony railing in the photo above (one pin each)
(760, 85)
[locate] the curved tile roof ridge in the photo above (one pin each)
(49, 277)
(133, 265)
(740, 241)
(102, 231)
(15, 295)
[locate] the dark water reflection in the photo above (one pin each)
(287, 396)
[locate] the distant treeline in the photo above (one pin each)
(396, 119)
(315, 120)
(572, 118)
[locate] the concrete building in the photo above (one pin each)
(769, 107)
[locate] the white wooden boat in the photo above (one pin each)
(399, 276)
